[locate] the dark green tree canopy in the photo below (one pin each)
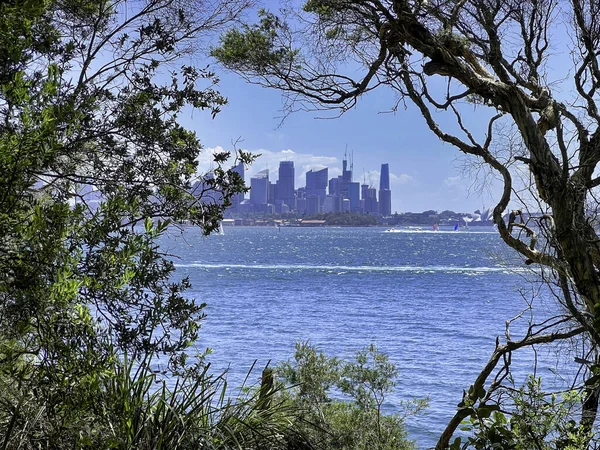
(94, 166)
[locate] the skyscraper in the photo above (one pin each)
(369, 199)
(284, 191)
(385, 194)
(316, 183)
(364, 191)
(334, 187)
(259, 188)
(354, 196)
(384, 180)
(385, 202)
(316, 189)
(346, 178)
(271, 193)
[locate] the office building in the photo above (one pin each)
(284, 190)
(313, 205)
(301, 200)
(364, 191)
(354, 196)
(340, 187)
(300, 193)
(334, 187)
(259, 188)
(369, 200)
(332, 204)
(384, 180)
(346, 178)
(385, 194)
(346, 205)
(320, 195)
(316, 190)
(316, 183)
(271, 194)
(385, 202)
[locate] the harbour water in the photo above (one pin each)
(433, 301)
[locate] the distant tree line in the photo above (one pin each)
(345, 219)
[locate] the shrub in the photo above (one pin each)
(339, 404)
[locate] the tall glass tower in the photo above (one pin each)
(259, 188)
(385, 194)
(285, 184)
(384, 181)
(316, 183)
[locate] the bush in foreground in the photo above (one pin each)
(340, 404)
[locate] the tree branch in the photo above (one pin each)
(500, 351)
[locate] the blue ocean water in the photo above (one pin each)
(433, 301)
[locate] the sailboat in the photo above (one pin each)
(456, 227)
(467, 220)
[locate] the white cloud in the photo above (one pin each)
(401, 179)
(303, 162)
(372, 178)
(454, 181)
(206, 157)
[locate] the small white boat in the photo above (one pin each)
(393, 230)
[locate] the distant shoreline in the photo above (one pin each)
(428, 227)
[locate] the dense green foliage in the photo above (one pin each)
(93, 167)
(254, 45)
(339, 404)
(129, 406)
(88, 156)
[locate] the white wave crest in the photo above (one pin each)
(461, 232)
(336, 268)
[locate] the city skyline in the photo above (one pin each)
(318, 194)
(410, 194)
(267, 165)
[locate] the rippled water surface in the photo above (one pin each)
(433, 301)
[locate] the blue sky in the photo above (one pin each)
(425, 173)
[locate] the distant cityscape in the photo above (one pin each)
(323, 196)
(320, 195)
